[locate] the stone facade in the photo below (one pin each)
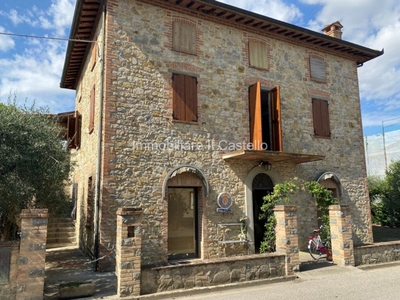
(133, 109)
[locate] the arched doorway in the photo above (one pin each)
(185, 188)
(330, 181)
(262, 185)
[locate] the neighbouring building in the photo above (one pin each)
(193, 110)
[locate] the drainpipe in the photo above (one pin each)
(99, 144)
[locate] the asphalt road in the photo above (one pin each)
(322, 283)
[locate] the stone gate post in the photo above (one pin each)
(287, 240)
(128, 251)
(341, 235)
(32, 254)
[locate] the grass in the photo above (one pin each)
(385, 234)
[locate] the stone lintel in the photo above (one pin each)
(129, 211)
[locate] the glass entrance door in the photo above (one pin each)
(182, 229)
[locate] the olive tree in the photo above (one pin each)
(34, 166)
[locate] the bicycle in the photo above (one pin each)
(316, 246)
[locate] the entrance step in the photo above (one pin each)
(60, 232)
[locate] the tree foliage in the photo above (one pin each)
(384, 194)
(34, 166)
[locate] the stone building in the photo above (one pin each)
(193, 110)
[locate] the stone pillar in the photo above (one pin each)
(341, 235)
(287, 240)
(32, 254)
(128, 251)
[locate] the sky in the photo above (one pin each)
(31, 68)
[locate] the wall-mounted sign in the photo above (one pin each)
(224, 202)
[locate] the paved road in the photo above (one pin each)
(332, 282)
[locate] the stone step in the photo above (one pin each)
(60, 232)
(56, 240)
(59, 245)
(54, 234)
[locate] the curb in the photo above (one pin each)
(210, 289)
(378, 265)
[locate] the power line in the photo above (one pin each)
(46, 37)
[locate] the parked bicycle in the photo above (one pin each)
(316, 246)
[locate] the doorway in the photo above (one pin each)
(262, 185)
(182, 222)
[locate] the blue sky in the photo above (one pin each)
(31, 68)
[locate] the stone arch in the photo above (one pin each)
(328, 178)
(185, 169)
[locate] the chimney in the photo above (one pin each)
(333, 30)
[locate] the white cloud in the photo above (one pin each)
(34, 71)
(6, 42)
(276, 9)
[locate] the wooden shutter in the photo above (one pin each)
(71, 131)
(92, 107)
(276, 119)
(184, 38)
(317, 69)
(77, 137)
(321, 117)
(258, 54)
(94, 56)
(184, 98)
(255, 116)
(191, 99)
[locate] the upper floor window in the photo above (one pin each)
(184, 37)
(184, 98)
(258, 54)
(265, 118)
(321, 117)
(71, 122)
(317, 69)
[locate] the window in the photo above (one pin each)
(258, 54)
(317, 69)
(92, 106)
(74, 131)
(321, 118)
(265, 118)
(184, 38)
(184, 98)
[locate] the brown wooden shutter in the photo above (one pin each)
(317, 69)
(258, 54)
(276, 123)
(92, 108)
(321, 117)
(191, 99)
(77, 138)
(184, 98)
(94, 56)
(71, 129)
(255, 116)
(184, 38)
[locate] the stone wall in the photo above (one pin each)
(139, 64)
(9, 252)
(377, 253)
(27, 261)
(212, 272)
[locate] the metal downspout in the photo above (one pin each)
(99, 144)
